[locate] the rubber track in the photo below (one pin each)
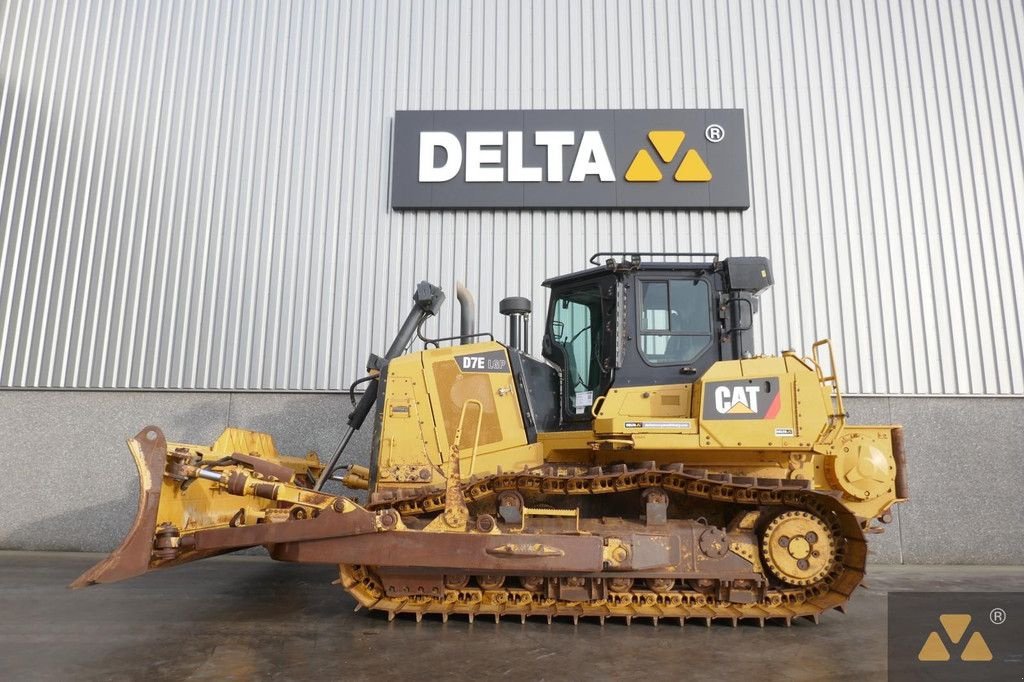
(833, 591)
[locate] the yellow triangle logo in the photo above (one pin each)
(976, 649)
(955, 625)
(667, 142)
(740, 408)
(693, 168)
(643, 168)
(933, 649)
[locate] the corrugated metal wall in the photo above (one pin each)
(195, 194)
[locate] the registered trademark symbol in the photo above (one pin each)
(997, 616)
(714, 133)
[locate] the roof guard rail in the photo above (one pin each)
(636, 255)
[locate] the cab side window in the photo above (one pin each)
(577, 329)
(674, 320)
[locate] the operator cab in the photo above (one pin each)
(633, 322)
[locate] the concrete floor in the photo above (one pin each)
(241, 618)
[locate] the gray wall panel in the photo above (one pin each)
(195, 194)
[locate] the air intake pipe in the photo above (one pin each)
(517, 309)
(467, 312)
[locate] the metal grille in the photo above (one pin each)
(195, 194)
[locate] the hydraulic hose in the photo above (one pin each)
(427, 302)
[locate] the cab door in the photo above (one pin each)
(673, 333)
(580, 339)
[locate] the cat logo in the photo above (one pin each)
(955, 625)
(742, 399)
(667, 143)
(736, 400)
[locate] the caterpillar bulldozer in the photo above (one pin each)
(648, 465)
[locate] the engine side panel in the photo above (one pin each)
(439, 400)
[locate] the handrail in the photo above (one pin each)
(750, 304)
(824, 343)
(479, 423)
(838, 417)
(436, 342)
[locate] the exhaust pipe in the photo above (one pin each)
(467, 312)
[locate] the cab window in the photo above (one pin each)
(675, 320)
(576, 327)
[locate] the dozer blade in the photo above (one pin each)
(132, 557)
(200, 501)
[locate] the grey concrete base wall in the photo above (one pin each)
(68, 483)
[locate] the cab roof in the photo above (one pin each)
(631, 263)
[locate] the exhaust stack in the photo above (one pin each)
(467, 312)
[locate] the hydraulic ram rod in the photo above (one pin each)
(427, 301)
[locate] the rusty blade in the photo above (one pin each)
(132, 557)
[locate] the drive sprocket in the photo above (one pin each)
(798, 547)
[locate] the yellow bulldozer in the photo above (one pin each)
(648, 465)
